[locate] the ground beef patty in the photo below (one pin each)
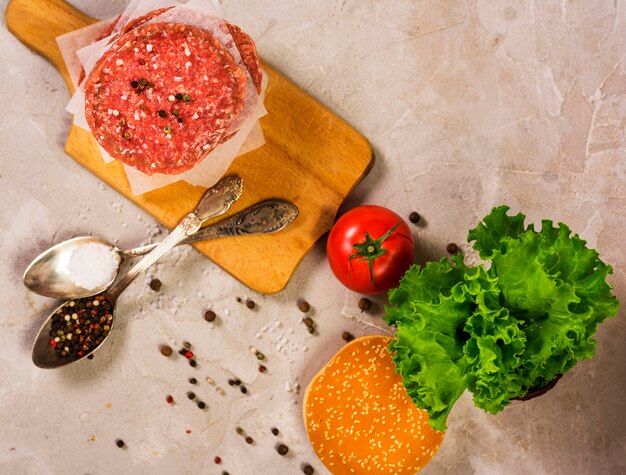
(245, 45)
(163, 96)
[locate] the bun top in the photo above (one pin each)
(359, 418)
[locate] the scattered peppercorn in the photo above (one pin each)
(250, 304)
(201, 404)
(347, 336)
(162, 113)
(191, 395)
(414, 217)
(237, 382)
(188, 354)
(304, 306)
(166, 350)
(262, 369)
(365, 304)
(90, 357)
(275, 431)
(120, 443)
(122, 122)
(134, 84)
(308, 321)
(307, 469)
(186, 345)
(282, 449)
(193, 380)
(180, 120)
(217, 460)
(260, 356)
(182, 352)
(169, 399)
(179, 96)
(249, 440)
(239, 300)
(243, 389)
(155, 284)
(231, 382)
(127, 135)
(452, 248)
(167, 129)
(210, 380)
(143, 81)
(225, 473)
(175, 112)
(239, 430)
(192, 363)
(186, 98)
(311, 330)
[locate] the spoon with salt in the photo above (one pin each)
(86, 265)
(76, 328)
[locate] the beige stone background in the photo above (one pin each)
(468, 104)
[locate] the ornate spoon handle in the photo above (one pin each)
(262, 218)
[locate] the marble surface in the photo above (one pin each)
(468, 104)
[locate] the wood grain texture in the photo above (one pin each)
(311, 157)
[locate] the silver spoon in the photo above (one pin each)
(215, 201)
(48, 274)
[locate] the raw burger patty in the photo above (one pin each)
(245, 45)
(163, 96)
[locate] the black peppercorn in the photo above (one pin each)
(120, 443)
(162, 113)
(307, 469)
(210, 316)
(452, 248)
(250, 304)
(155, 284)
(304, 306)
(179, 96)
(193, 380)
(166, 350)
(249, 440)
(365, 304)
(191, 395)
(134, 84)
(201, 404)
(308, 321)
(243, 389)
(347, 336)
(414, 217)
(231, 382)
(282, 449)
(192, 363)
(275, 431)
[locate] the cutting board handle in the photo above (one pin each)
(37, 23)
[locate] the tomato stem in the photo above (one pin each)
(371, 249)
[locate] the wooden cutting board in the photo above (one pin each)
(311, 157)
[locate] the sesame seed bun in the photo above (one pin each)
(359, 418)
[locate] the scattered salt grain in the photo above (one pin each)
(93, 265)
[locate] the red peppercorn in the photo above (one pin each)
(188, 355)
(217, 460)
(53, 343)
(169, 399)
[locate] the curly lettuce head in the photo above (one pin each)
(502, 331)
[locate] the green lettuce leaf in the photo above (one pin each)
(503, 331)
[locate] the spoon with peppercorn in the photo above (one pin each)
(78, 327)
(86, 265)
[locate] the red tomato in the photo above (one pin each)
(369, 249)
